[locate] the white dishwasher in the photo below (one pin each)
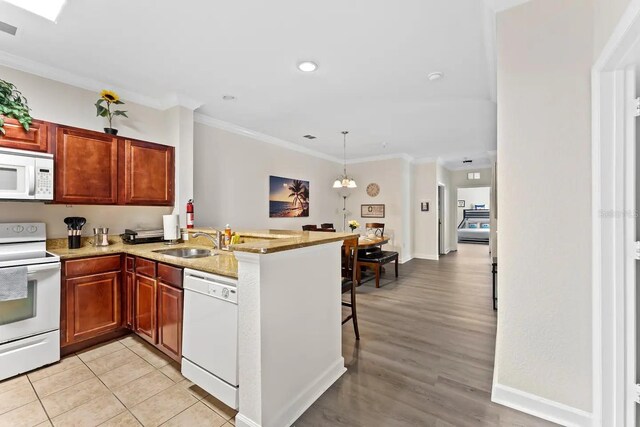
(210, 334)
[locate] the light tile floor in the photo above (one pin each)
(125, 382)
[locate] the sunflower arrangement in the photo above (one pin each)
(109, 97)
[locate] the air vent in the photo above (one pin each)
(9, 29)
(467, 161)
(309, 137)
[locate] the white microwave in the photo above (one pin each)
(25, 175)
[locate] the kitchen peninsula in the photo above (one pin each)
(289, 312)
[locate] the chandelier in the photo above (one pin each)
(344, 181)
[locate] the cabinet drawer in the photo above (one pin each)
(90, 266)
(145, 267)
(170, 275)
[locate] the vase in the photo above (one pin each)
(111, 131)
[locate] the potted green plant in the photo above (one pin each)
(109, 97)
(13, 105)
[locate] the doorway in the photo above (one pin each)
(615, 269)
(473, 217)
(441, 220)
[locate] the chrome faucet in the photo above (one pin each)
(215, 240)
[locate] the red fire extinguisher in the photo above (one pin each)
(190, 214)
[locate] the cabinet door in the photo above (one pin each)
(86, 167)
(149, 175)
(129, 299)
(144, 308)
(170, 320)
(93, 306)
(37, 139)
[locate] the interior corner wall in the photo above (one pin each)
(65, 104)
(425, 223)
(543, 350)
(231, 181)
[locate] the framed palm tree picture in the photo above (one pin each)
(288, 197)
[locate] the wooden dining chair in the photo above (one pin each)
(326, 225)
(310, 227)
(374, 258)
(349, 280)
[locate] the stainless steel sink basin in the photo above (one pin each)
(186, 252)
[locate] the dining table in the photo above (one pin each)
(365, 242)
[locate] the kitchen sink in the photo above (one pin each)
(186, 252)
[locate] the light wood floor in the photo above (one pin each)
(425, 356)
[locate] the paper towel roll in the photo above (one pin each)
(171, 225)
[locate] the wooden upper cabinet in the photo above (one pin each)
(37, 139)
(149, 174)
(86, 167)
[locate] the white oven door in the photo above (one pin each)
(17, 177)
(40, 311)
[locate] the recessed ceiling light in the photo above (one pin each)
(307, 66)
(229, 98)
(436, 75)
(48, 9)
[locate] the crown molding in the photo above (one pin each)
(425, 160)
(401, 156)
(232, 127)
(54, 73)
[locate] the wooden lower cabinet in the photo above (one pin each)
(170, 302)
(93, 306)
(145, 308)
(109, 294)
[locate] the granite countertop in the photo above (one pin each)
(270, 241)
(222, 262)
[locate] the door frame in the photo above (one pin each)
(442, 217)
(614, 225)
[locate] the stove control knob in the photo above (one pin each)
(225, 293)
(32, 229)
(18, 229)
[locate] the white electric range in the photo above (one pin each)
(29, 327)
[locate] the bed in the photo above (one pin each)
(474, 228)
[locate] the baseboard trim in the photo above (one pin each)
(305, 399)
(426, 256)
(242, 421)
(407, 259)
(540, 407)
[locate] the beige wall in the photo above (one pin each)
(545, 52)
(61, 103)
(425, 224)
(394, 178)
(231, 181)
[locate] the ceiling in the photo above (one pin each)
(373, 55)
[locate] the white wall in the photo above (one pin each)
(545, 52)
(472, 197)
(231, 181)
(394, 178)
(60, 103)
